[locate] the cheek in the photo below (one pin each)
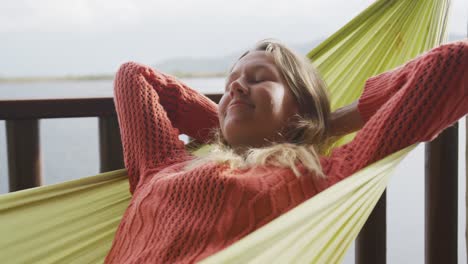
(272, 100)
(222, 105)
(278, 103)
(223, 102)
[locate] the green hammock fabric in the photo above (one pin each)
(70, 222)
(75, 221)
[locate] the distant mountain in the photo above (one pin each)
(305, 48)
(218, 66)
(454, 37)
(185, 65)
(196, 65)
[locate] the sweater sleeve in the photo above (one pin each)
(189, 111)
(409, 104)
(149, 137)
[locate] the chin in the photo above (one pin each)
(236, 137)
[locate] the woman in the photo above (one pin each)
(273, 127)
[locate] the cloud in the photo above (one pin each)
(102, 15)
(114, 15)
(91, 36)
(56, 15)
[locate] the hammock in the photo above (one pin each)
(75, 221)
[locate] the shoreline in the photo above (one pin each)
(102, 77)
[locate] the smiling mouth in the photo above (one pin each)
(237, 104)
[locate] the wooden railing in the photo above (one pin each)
(22, 131)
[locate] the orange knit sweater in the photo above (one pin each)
(182, 217)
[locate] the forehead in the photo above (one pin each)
(255, 59)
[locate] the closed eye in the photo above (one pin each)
(259, 79)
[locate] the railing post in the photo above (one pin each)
(371, 244)
(442, 198)
(24, 157)
(110, 144)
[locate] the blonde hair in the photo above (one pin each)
(308, 133)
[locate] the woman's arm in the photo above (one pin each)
(409, 104)
(346, 120)
(149, 136)
(189, 111)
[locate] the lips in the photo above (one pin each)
(238, 102)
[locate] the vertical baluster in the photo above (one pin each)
(24, 157)
(110, 144)
(371, 244)
(442, 198)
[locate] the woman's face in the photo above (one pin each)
(257, 102)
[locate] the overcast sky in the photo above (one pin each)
(59, 37)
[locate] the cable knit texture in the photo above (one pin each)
(180, 216)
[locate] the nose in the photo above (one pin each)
(238, 87)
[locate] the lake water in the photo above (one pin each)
(70, 150)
